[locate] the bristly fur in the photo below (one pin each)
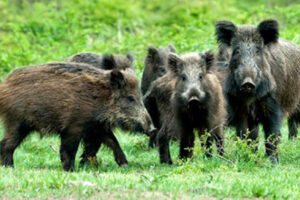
(76, 101)
(104, 61)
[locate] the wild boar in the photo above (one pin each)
(77, 102)
(155, 67)
(263, 80)
(195, 98)
(104, 61)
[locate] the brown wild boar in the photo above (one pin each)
(263, 80)
(76, 101)
(158, 98)
(106, 62)
(189, 97)
(155, 67)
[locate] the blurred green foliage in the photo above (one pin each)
(34, 32)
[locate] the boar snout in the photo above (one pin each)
(152, 130)
(195, 96)
(138, 127)
(194, 99)
(248, 85)
(145, 124)
(146, 128)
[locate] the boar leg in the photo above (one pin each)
(151, 106)
(111, 141)
(163, 144)
(206, 146)
(68, 148)
(252, 138)
(91, 145)
(187, 139)
(272, 123)
(15, 133)
(292, 123)
(218, 135)
(152, 141)
(242, 127)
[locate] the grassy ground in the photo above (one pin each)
(46, 30)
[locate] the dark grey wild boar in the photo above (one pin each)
(197, 102)
(76, 101)
(155, 67)
(263, 80)
(105, 61)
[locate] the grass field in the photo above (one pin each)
(43, 31)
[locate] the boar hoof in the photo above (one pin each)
(125, 164)
(274, 159)
(92, 161)
(69, 168)
(152, 143)
(169, 162)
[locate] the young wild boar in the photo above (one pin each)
(263, 80)
(106, 61)
(197, 103)
(158, 97)
(155, 67)
(74, 100)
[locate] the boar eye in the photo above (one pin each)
(162, 71)
(257, 50)
(200, 77)
(183, 77)
(130, 99)
(236, 51)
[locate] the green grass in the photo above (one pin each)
(43, 32)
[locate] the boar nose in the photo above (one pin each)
(248, 85)
(194, 99)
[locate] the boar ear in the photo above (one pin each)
(152, 54)
(130, 56)
(225, 30)
(175, 64)
(117, 79)
(268, 29)
(209, 59)
(131, 59)
(172, 48)
(108, 61)
(131, 66)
